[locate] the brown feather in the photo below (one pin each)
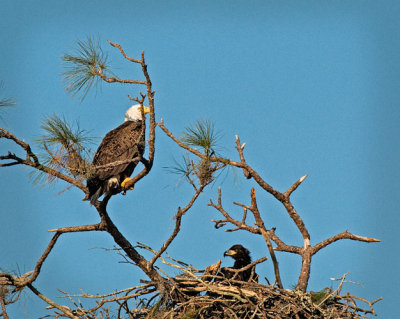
(122, 144)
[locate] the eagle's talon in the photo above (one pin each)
(126, 180)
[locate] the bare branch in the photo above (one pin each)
(35, 163)
(25, 146)
(240, 148)
(117, 45)
(178, 218)
(64, 309)
(266, 235)
(342, 235)
(30, 277)
(258, 261)
(112, 79)
(152, 135)
(3, 306)
(177, 141)
(228, 218)
(83, 228)
(294, 186)
(127, 247)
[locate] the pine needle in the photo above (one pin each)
(64, 150)
(58, 130)
(201, 134)
(183, 168)
(82, 67)
(5, 102)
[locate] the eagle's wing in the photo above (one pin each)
(119, 145)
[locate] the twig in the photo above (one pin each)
(64, 309)
(117, 45)
(178, 218)
(35, 163)
(228, 218)
(150, 96)
(260, 224)
(3, 307)
(342, 235)
(239, 148)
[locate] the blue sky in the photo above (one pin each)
(312, 87)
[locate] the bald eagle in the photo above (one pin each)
(242, 258)
(118, 154)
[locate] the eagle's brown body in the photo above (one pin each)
(116, 158)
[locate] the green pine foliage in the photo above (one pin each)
(201, 135)
(5, 102)
(83, 66)
(65, 149)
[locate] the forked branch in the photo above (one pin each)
(150, 96)
(32, 160)
(306, 251)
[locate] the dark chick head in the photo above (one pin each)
(240, 254)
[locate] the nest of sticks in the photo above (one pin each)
(212, 297)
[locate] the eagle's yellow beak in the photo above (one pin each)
(230, 253)
(146, 109)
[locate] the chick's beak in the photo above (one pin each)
(229, 253)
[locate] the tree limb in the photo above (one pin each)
(35, 162)
(178, 218)
(266, 235)
(64, 309)
(342, 235)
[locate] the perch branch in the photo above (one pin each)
(150, 96)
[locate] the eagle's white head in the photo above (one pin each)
(134, 113)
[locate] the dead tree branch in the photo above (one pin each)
(307, 251)
(106, 223)
(33, 161)
(266, 234)
(342, 235)
(66, 311)
(178, 218)
(28, 278)
(150, 96)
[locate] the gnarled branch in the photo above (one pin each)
(32, 161)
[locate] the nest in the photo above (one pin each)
(196, 298)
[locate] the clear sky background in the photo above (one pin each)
(312, 87)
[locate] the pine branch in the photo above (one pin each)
(66, 149)
(201, 134)
(83, 66)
